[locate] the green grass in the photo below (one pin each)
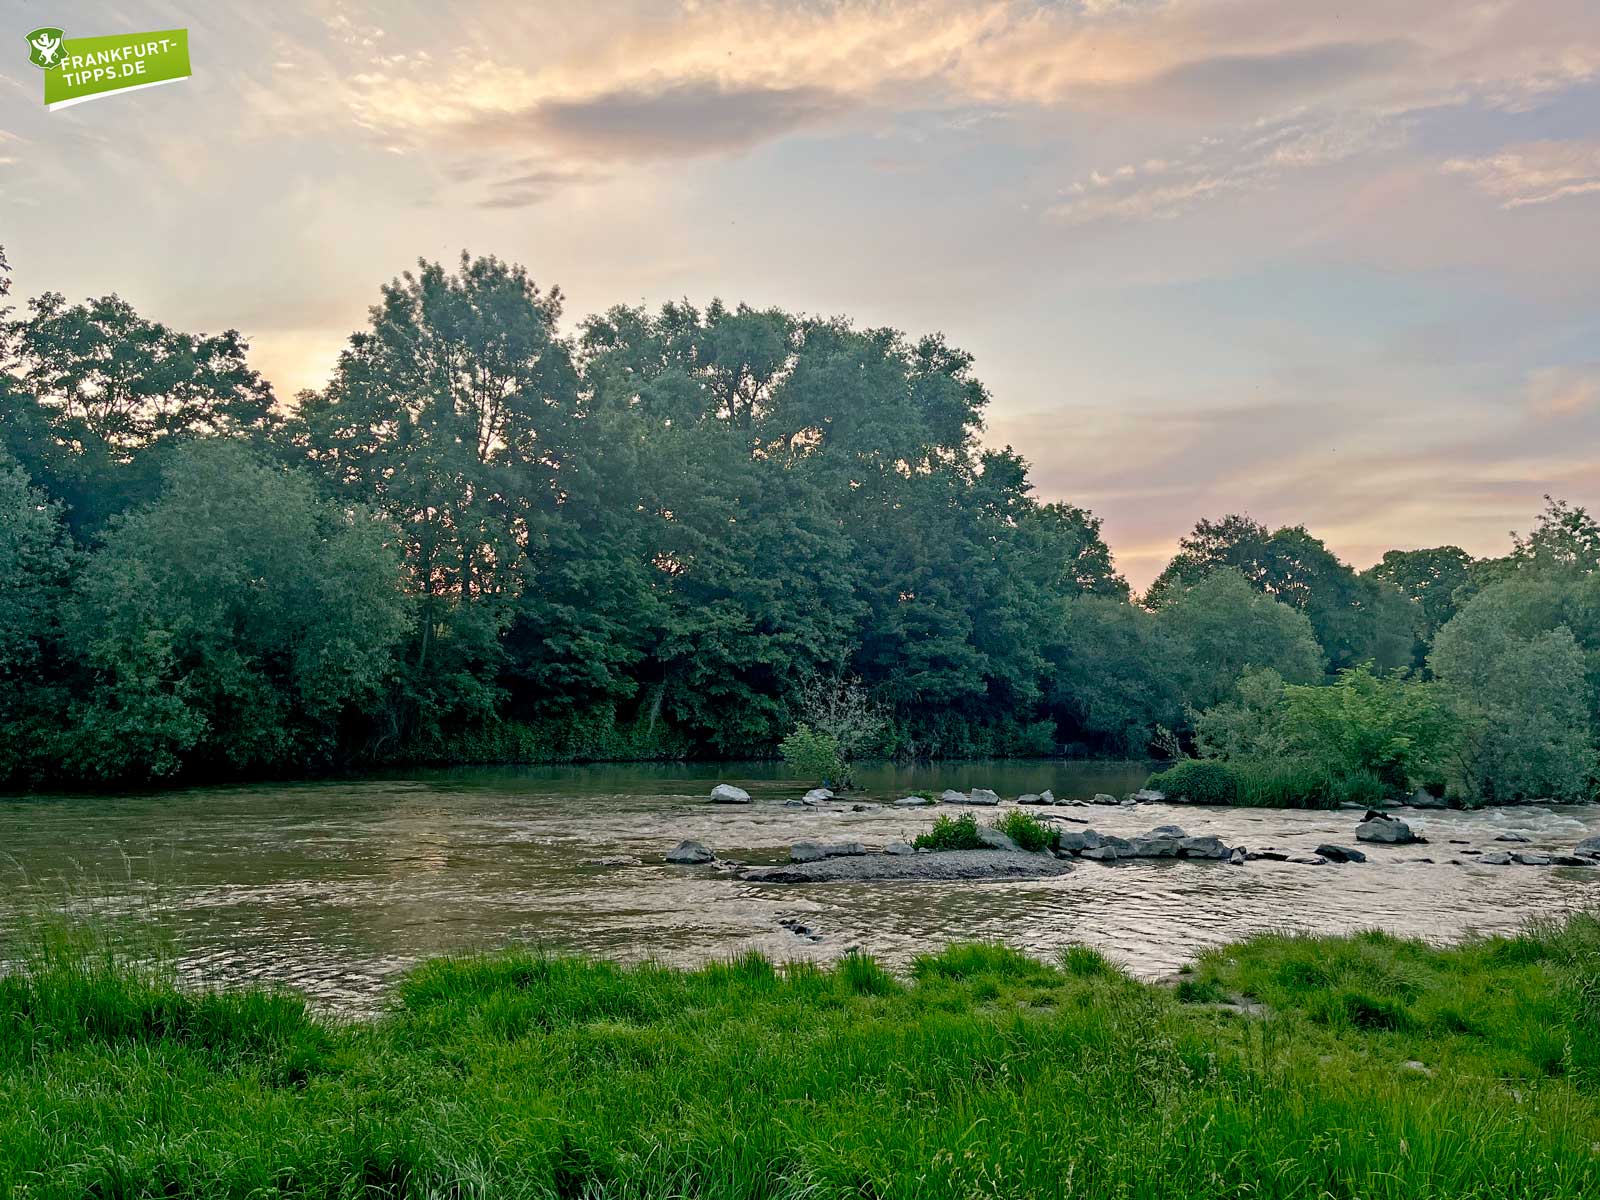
(1266, 785)
(980, 1072)
(1026, 830)
(950, 833)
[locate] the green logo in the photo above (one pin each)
(86, 68)
(44, 47)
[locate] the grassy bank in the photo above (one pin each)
(978, 1073)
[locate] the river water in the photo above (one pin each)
(335, 887)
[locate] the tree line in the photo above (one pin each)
(486, 539)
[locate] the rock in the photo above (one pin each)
(1498, 859)
(611, 860)
(1531, 858)
(1029, 798)
(1148, 796)
(1423, 798)
(1308, 860)
(844, 849)
(807, 852)
(1268, 855)
(983, 796)
(946, 865)
(1572, 860)
(1589, 845)
(690, 853)
(1340, 854)
(1387, 830)
(1238, 857)
(1163, 845)
(1047, 797)
(726, 793)
(1100, 853)
(913, 802)
(794, 804)
(1208, 846)
(899, 848)
(951, 796)
(1510, 836)
(818, 795)
(1472, 851)
(995, 840)
(1104, 798)
(1076, 841)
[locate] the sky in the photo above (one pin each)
(1330, 263)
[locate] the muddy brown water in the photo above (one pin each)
(335, 887)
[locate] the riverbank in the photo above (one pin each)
(1341, 1067)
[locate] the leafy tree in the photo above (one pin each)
(814, 755)
(1113, 679)
(1351, 617)
(1223, 627)
(235, 622)
(1520, 700)
(1565, 539)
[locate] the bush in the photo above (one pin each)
(1026, 830)
(1197, 782)
(951, 833)
(813, 755)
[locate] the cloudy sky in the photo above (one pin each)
(1335, 263)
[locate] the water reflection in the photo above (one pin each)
(335, 887)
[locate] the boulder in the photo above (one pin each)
(1423, 798)
(1268, 855)
(993, 839)
(690, 853)
(1572, 860)
(844, 849)
(983, 796)
(1029, 798)
(899, 848)
(1386, 830)
(1076, 841)
(951, 796)
(1238, 857)
(1208, 846)
(1155, 846)
(1498, 859)
(1307, 860)
(818, 795)
(1104, 798)
(1340, 854)
(1589, 845)
(807, 852)
(1101, 853)
(913, 802)
(1510, 836)
(726, 793)
(1148, 796)
(1047, 797)
(1531, 858)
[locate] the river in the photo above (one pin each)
(334, 887)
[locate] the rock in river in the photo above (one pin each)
(949, 865)
(913, 802)
(996, 840)
(1589, 845)
(690, 853)
(804, 852)
(817, 795)
(1340, 854)
(726, 793)
(1390, 831)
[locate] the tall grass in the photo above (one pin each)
(982, 1072)
(1266, 784)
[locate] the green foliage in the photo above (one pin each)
(814, 756)
(1027, 830)
(1197, 782)
(1292, 784)
(1520, 698)
(1222, 627)
(951, 833)
(523, 1074)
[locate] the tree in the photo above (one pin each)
(1520, 698)
(1435, 580)
(1113, 681)
(235, 622)
(1565, 539)
(1222, 627)
(1353, 619)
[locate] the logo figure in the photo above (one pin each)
(44, 48)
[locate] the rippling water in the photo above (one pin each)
(335, 887)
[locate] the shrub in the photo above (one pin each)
(1197, 782)
(813, 755)
(1026, 830)
(951, 833)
